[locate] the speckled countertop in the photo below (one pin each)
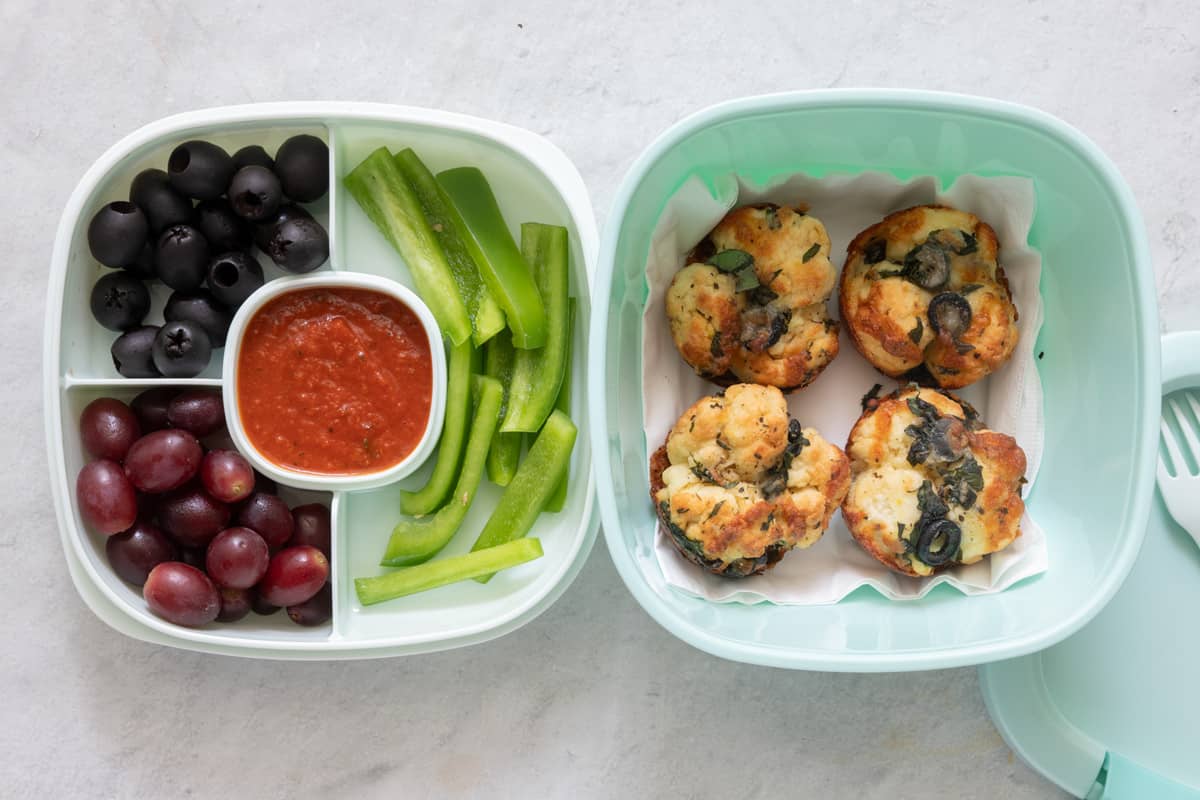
(592, 699)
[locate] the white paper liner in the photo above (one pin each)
(1010, 400)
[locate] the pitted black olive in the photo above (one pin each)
(947, 439)
(928, 265)
(950, 313)
(938, 542)
(875, 251)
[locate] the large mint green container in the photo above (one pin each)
(1100, 371)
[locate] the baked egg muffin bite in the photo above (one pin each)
(930, 486)
(924, 297)
(738, 483)
(750, 304)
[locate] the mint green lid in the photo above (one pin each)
(1114, 710)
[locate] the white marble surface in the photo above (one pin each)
(593, 699)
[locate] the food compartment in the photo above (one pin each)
(364, 521)
(1085, 221)
(253, 628)
(532, 182)
(85, 345)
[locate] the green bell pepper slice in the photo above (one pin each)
(414, 541)
(505, 452)
(537, 374)
(449, 570)
(503, 268)
(487, 319)
(460, 363)
(536, 479)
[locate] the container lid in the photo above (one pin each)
(1112, 711)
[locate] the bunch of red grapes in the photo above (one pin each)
(198, 529)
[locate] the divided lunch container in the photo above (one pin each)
(533, 181)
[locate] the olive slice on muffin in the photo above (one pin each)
(924, 297)
(750, 303)
(738, 483)
(931, 487)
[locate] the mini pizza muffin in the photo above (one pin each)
(750, 303)
(931, 487)
(923, 297)
(738, 484)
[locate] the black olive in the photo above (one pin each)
(120, 301)
(779, 326)
(199, 169)
(116, 233)
(142, 267)
(947, 439)
(232, 277)
(223, 229)
(875, 251)
(133, 353)
(252, 154)
(949, 535)
(181, 349)
(299, 245)
(255, 193)
(928, 265)
(302, 164)
(950, 313)
(794, 430)
(151, 190)
(266, 229)
(181, 258)
(204, 310)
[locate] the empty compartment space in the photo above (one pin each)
(85, 346)
(252, 630)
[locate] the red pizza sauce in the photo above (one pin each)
(335, 381)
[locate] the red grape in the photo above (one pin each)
(264, 484)
(294, 575)
(235, 604)
(192, 517)
(193, 556)
(133, 553)
(106, 498)
(311, 526)
(163, 460)
(108, 428)
(316, 610)
(181, 594)
(269, 517)
(150, 407)
(227, 476)
(237, 558)
(197, 411)
(260, 606)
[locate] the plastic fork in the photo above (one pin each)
(1181, 492)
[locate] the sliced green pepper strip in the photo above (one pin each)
(502, 458)
(537, 374)
(536, 479)
(416, 540)
(430, 497)
(487, 319)
(559, 498)
(390, 202)
(504, 270)
(449, 570)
